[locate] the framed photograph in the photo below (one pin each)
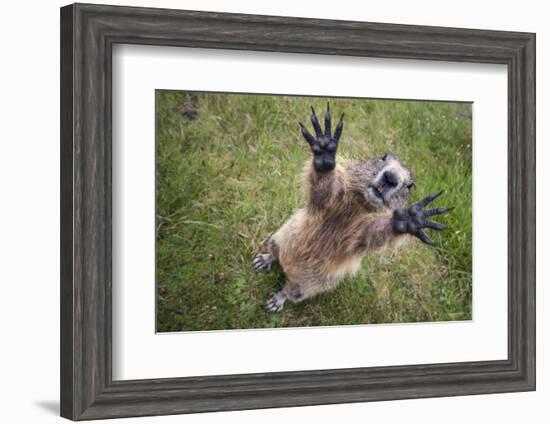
(263, 212)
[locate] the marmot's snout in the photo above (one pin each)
(390, 179)
(385, 185)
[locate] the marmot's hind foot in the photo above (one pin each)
(275, 303)
(262, 262)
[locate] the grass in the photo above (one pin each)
(232, 176)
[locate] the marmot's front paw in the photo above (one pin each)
(412, 220)
(324, 145)
(262, 262)
(276, 302)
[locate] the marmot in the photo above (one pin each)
(353, 207)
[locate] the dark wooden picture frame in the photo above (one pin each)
(88, 33)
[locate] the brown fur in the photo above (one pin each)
(327, 239)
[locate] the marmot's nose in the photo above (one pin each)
(391, 179)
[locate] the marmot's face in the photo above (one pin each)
(387, 184)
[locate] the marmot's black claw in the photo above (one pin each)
(323, 145)
(412, 220)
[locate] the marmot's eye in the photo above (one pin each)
(410, 186)
(385, 156)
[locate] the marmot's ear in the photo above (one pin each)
(385, 156)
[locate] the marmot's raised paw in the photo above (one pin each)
(412, 220)
(323, 145)
(262, 262)
(275, 303)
